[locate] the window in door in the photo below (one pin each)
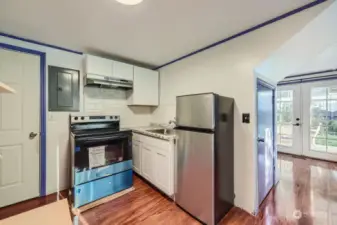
(323, 119)
(284, 117)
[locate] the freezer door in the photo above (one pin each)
(196, 111)
(195, 174)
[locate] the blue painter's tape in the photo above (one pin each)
(39, 43)
(94, 190)
(93, 174)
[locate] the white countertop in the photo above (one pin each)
(145, 131)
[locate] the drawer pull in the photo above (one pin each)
(160, 154)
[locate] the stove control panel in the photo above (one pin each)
(92, 118)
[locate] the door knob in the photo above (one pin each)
(260, 139)
(32, 135)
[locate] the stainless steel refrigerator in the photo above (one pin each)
(204, 160)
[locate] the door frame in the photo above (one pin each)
(43, 155)
(272, 87)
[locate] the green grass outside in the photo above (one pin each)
(330, 141)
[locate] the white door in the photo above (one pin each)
(320, 119)
(289, 129)
(136, 156)
(162, 170)
(147, 162)
(19, 116)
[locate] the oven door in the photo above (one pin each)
(98, 151)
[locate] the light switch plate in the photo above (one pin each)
(245, 118)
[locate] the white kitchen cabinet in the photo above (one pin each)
(157, 163)
(147, 171)
(145, 87)
(162, 164)
(98, 66)
(136, 160)
(122, 70)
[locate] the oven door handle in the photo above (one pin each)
(87, 140)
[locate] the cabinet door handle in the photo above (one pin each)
(160, 154)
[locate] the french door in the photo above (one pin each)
(307, 119)
(288, 117)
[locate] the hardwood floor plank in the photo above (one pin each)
(306, 185)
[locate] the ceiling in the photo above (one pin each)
(154, 32)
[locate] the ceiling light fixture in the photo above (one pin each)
(129, 2)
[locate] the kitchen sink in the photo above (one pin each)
(162, 131)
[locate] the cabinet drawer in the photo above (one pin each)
(155, 142)
(92, 191)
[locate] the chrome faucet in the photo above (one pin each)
(173, 122)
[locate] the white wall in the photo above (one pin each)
(228, 69)
(304, 47)
(91, 100)
(326, 60)
(114, 101)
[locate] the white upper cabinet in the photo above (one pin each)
(122, 70)
(145, 87)
(110, 68)
(98, 66)
(145, 90)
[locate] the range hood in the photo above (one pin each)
(93, 80)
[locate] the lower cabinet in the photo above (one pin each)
(148, 170)
(136, 160)
(155, 160)
(162, 166)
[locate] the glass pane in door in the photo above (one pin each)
(284, 118)
(323, 119)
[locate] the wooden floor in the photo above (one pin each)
(21, 207)
(305, 195)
